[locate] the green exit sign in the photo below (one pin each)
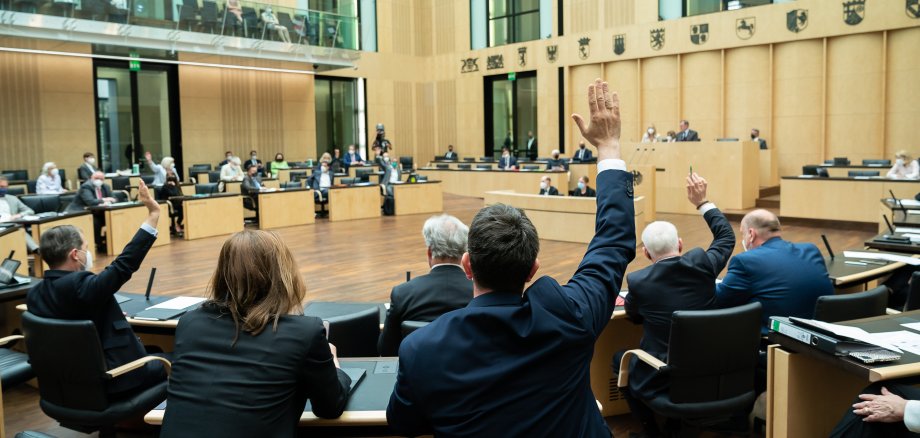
(512, 76)
(134, 64)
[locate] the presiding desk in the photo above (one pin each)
(358, 201)
(13, 240)
(82, 220)
(476, 183)
(280, 208)
(808, 390)
(840, 199)
(122, 221)
(417, 198)
(211, 215)
(732, 169)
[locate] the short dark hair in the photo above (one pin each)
(87, 155)
(57, 243)
(503, 245)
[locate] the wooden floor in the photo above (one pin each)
(362, 261)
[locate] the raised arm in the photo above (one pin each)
(723, 238)
(599, 277)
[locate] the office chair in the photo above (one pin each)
(121, 182)
(64, 201)
(442, 166)
(349, 181)
(841, 161)
(292, 185)
(42, 203)
(16, 191)
(484, 166)
(407, 327)
(284, 19)
(298, 176)
(213, 176)
(14, 366)
(405, 163)
(531, 167)
(810, 169)
(31, 185)
(250, 21)
(17, 175)
(209, 16)
(709, 382)
(147, 179)
(364, 174)
(200, 167)
(355, 334)
(206, 189)
(68, 360)
(853, 173)
(876, 162)
(844, 307)
(469, 159)
(188, 16)
(464, 166)
(120, 195)
(913, 293)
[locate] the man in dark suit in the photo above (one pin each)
(686, 134)
(516, 363)
(673, 282)
(507, 161)
(582, 190)
(755, 136)
(450, 155)
(92, 193)
(86, 170)
(556, 163)
(352, 158)
(253, 161)
(70, 291)
(427, 297)
(583, 153)
(786, 278)
(227, 157)
(531, 146)
(546, 187)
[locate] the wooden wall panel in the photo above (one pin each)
(424, 145)
(619, 13)
(797, 105)
(446, 27)
(659, 93)
(446, 110)
(423, 30)
(403, 132)
(402, 32)
(747, 92)
(854, 96)
(585, 16)
(623, 77)
(578, 78)
(701, 93)
(902, 111)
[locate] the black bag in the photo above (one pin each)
(389, 206)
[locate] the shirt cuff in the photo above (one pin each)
(706, 207)
(912, 415)
(611, 164)
(146, 227)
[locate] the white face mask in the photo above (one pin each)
(55, 172)
(254, 157)
(543, 185)
(651, 131)
(581, 185)
(97, 182)
(899, 161)
(89, 261)
(744, 242)
(387, 159)
(505, 155)
(91, 160)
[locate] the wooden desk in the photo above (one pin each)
(123, 221)
(418, 198)
(271, 183)
(899, 214)
(856, 278)
(808, 391)
(82, 220)
(562, 218)
(284, 175)
(134, 180)
(13, 238)
(620, 334)
(904, 248)
(769, 169)
(844, 171)
(233, 187)
(285, 208)
(645, 177)
(578, 170)
(732, 169)
(476, 183)
(840, 199)
(188, 189)
(354, 202)
(211, 215)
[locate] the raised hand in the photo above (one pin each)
(696, 189)
(143, 195)
(148, 156)
(603, 130)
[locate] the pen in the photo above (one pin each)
(872, 262)
(691, 169)
(855, 263)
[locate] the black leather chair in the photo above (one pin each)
(31, 186)
(407, 327)
(16, 191)
(464, 166)
(65, 200)
(250, 22)
(14, 366)
(206, 188)
(844, 307)
(913, 293)
(17, 175)
(120, 195)
(364, 174)
(298, 175)
(712, 357)
(442, 166)
(349, 181)
(853, 173)
(68, 360)
(121, 182)
(291, 185)
(531, 167)
(213, 176)
(469, 159)
(209, 18)
(188, 18)
(876, 162)
(147, 179)
(42, 203)
(484, 166)
(355, 334)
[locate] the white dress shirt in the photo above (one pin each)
(324, 181)
(912, 415)
(905, 171)
(48, 185)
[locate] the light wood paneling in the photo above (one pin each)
(121, 225)
(418, 198)
(477, 183)
(748, 94)
(354, 203)
(623, 78)
(16, 241)
(701, 93)
(842, 200)
(659, 95)
(285, 208)
(207, 217)
(797, 110)
(902, 92)
(854, 97)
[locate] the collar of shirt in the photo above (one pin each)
(446, 264)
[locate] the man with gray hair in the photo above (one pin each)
(11, 208)
(443, 289)
(674, 281)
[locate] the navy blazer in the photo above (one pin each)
(689, 135)
(424, 298)
(86, 196)
(687, 282)
(513, 365)
(552, 191)
(505, 162)
(350, 160)
(785, 278)
(586, 155)
(83, 295)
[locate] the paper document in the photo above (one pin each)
(913, 211)
(178, 303)
(912, 325)
(912, 236)
(882, 256)
(903, 339)
(906, 230)
(854, 333)
(910, 202)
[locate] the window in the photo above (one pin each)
(673, 9)
(513, 21)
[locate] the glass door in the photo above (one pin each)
(511, 113)
(336, 114)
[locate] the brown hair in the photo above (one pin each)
(256, 281)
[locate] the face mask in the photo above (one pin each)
(325, 170)
(543, 185)
(54, 172)
(229, 157)
(279, 159)
(581, 185)
(89, 261)
(253, 157)
(744, 244)
(505, 155)
(3, 191)
(651, 131)
(581, 146)
(753, 136)
(387, 159)
(97, 182)
(555, 157)
(91, 160)
(899, 161)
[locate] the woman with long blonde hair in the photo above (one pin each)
(248, 359)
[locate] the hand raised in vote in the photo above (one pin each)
(696, 189)
(603, 130)
(884, 408)
(148, 156)
(143, 195)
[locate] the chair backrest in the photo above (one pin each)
(67, 360)
(31, 185)
(364, 174)
(810, 169)
(469, 159)
(913, 294)
(464, 166)
(214, 176)
(187, 13)
(65, 200)
(487, 159)
(862, 173)
(405, 163)
(120, 196)
(876, 162)
(841, 161)
(206, 188)
(712, 354)
(16, 175)
(200, 167)
(285, 20)
(844, 307)
(442, 166)
(292, 185)
(349, 181)
(209, 13)
(15, 191)
(531, 167)
(297, 176)
(42, 203)
(407, 327)
(121, 182)
(484, 166)
(148, 179)
(355, 334)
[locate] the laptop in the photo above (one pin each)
(8, 277)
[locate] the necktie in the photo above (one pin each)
(98, 193)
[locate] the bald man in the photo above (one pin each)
(786, 278)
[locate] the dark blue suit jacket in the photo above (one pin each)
(505, 162)
(786, 278)
(512, 365)
(349, 160)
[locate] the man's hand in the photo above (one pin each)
(884, 408)
(696, 189)
(143, 195)
(604, 129)
(148, 156)
(335, 357)
(15, 217)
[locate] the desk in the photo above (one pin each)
(840, 199)
(769, 168)
(211, 215)
(854, 278)
(476, 183)
(13, 238)
(808, 391)
(284, 175)
(233, 186)
(123, 221)
(900, 217)
(904, 248)
(844, 171)
(354, 202)
(188, 189)
(82, 220)
(577, 169)
(285, 208)
(418, 198)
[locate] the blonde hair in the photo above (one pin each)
(256, 281)
(902, 154)
(326, 157)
